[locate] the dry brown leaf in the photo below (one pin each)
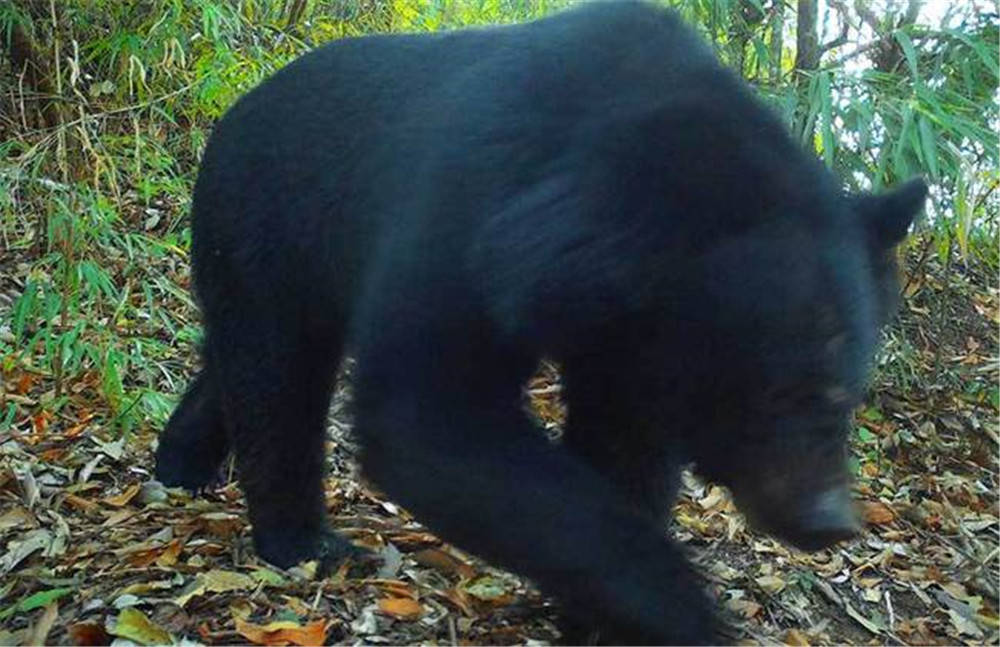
(23, 384)
(88, 634)
(395, 588)
(80, 503)
(41, 630)
(168, 556)
(442, 561)
(412, 539)
(876, 512)
(118, 516)
(283, 633)
(143, 558)
(221, 524)
(796, 638)
(402, 608)
(121, 500)
(460, 599)
(17, 517)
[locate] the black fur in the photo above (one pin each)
(592, 187)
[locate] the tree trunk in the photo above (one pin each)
(806, 39)
(28, 63)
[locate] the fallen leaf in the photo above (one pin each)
(282, 633)
(23, 384)
(80, 503)
(221, 524)
(135, 626)
(121, 500)
(41, 630)
(219, 581)
(34, 601)
(118, 516)
(268, 577)
(988, 619)
(796, 638)
(33, 541)
(17, 517)
(88, 634)
(460, 599)
(442, 561)
(746, 608)
(964, 625)
(395, 588)
(169, 555)
(725, 571)
(413, 539)
(876, 512)
(771, 583)
(215, 581)
(391, 560)
(402, 608)
(149, 586)
(488, 589)
(867, 623)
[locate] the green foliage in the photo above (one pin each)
(92, 211)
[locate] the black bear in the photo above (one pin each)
(592, 187)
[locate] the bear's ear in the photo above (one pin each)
(888, 216)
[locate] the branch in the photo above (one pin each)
(836, 42)
(845, 22)
(867, 47)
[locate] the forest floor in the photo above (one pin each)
(92, 550)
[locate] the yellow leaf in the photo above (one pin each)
(796, 638)
(169, 555)
(220, 581)
(215, 581)
(771, 583)
(135, 626)
(121, 500)
(746, 608)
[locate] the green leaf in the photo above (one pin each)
(34, 601)
(865, 435)
(826, 111)
(929, 145)
(979, 48)
(898, 160)
(909, 52)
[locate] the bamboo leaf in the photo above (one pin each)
(909, 52)
(927, 141)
